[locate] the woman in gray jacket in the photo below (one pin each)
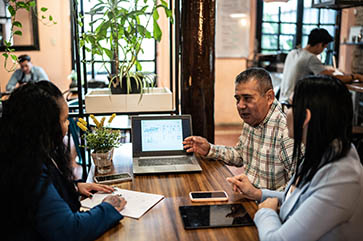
(324, 199)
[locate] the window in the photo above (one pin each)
(94, 63)
(285, 26)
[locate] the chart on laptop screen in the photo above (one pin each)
(161, 135)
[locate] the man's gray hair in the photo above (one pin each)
(261, 75)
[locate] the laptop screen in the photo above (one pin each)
(158, 135)
(161, 135)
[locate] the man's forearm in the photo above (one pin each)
(229, 155)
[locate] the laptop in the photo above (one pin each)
(157, 144)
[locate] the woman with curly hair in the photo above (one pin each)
(40, 198)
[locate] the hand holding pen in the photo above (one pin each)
(116, 200)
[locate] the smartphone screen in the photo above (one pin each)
(112, 177)
(197, 195)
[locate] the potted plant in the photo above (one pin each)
(102, 141)
(124, 29)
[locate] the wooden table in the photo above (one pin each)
(163, 221)
(357, 87)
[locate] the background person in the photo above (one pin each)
(42, 199)
(26, 73)
(264, 148)
(323, 200)
(300, 63)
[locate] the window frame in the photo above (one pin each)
(299, 29)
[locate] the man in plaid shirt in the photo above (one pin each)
(264, 148)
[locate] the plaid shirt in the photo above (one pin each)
(265, 151)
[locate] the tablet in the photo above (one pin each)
(213, 216)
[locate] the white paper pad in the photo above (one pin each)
(138, 203)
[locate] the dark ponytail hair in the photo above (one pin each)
(330, 127)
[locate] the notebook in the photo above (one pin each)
(157, 144)
(138, 203)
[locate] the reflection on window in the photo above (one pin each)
(282, 30)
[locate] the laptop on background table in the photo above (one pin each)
(157, 144)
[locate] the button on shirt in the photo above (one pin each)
(265, 151)
(36, 74)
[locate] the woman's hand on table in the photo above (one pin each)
(86, 188)
(242, 185)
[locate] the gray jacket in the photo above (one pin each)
(330, 207)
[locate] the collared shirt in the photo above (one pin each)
(265, 151)
(36, 74)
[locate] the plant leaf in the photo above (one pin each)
(14, 57)
(155, 15)
(108, 53)
(157, 31)
(18, 32)
(21, 5)
(17, 24)
(43, 9)
(31, 3)
(11, 10)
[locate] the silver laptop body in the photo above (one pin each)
(157, 144)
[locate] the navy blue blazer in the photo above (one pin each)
(55, 219)
(330, 207)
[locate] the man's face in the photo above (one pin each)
(251, 105)
(26, 66)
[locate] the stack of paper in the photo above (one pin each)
(138, 203)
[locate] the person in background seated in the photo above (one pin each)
(26, 73)
(323, 200)
(300, 63)
(264, 148)
(40, 199)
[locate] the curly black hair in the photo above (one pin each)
(31, 136)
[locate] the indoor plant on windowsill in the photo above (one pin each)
(102, 141)
(118, 36)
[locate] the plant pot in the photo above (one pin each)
(153, 99)
(122, 89)
(103, 161)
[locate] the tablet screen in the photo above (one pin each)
(210, 216)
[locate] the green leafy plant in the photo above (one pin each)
(123, 29)
(100, 139)
(13, 6)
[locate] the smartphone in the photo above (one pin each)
(112, 178)
(208, 196)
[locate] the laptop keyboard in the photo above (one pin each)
(165, 161)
